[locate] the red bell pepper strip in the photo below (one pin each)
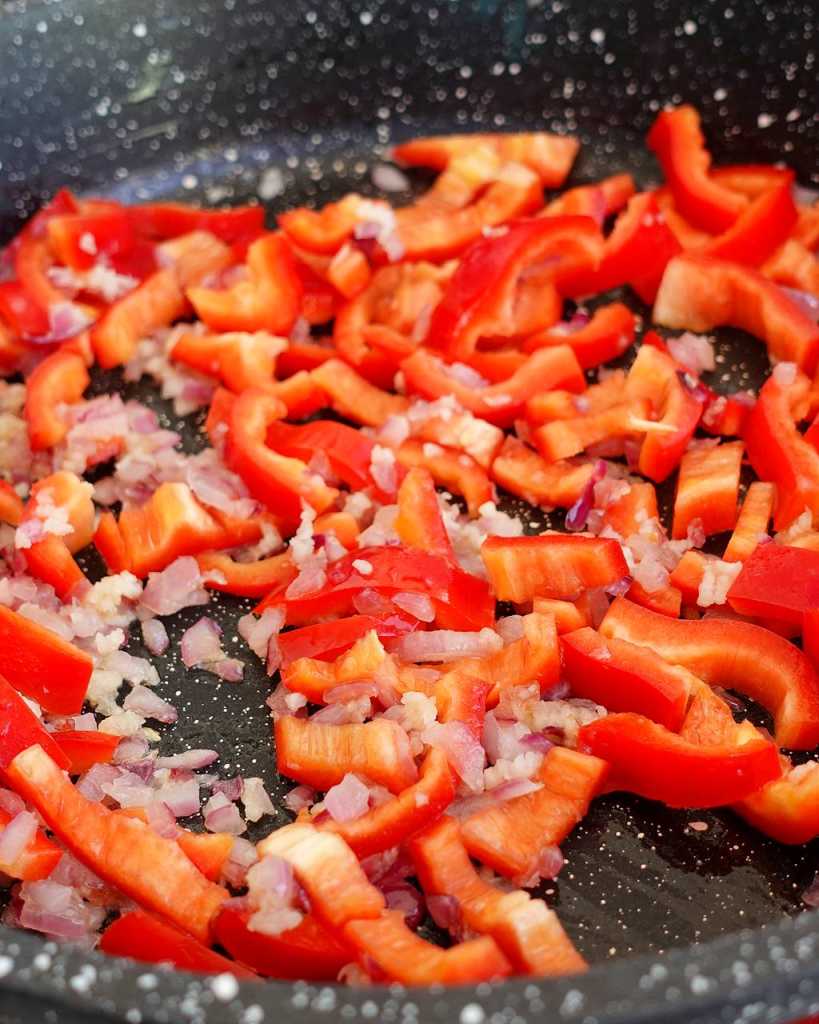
(527, 931)
(777, 451)
(475, 437)
(51, 561)
(561, 439)
(32, 262)
(194, 257)
(313, 678)
(84, 748)
(268, 300)
(62, 202)
(427, 375)
(19, 310)
(327, 640)
(759, 230)
(155, 303)
(149, 869)
(735, 655)
(449, 468)
(392, 823)
(461, 601)
(349, 271)
(687, 577)
(328, 870)
(245, 579)
(497, 365)
(168, 220)
(110, 543)
(777, 582)
(401, 955)
(282, 483)
(78, 240)
(597, 201)
(308, 952)
(608, 334)
(393, 301)
(36, 861)
(207, 851)
(326, 230)
(11, 505)
(354, 397)
(148, 940)
(502, 285)
(563, 405)
(21, 728)
(321, 755)
(60, 378)
(462, 697)
(42, 665)
(752, 523)
(726, 415)
(677, 140)
(551, 565)
(751, 179)
(550, 156)
(240, 360)
(172, 523)
(624, 677)
(795, 266)
(527, 475)
(699, 293)
(419, 523)
(708, 489)
(71, 494)
(654, 375)
(473, 193)
(348, 451)
(568, 615)
(787, 809)
(810, 635)
(653, 762)
(302, 355)
(510, 836)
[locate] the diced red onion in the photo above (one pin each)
(150, 705)
(131, 750)
(230, 669)
(348, 799)
(180, 797)
(598, 605)
(299, 798)
(510, 628)
(811, 895)
(220, 815)
(807, 302)
(231, 788)
(179, 586)
(98, 775)
(201, 643)
(16, 836)
(445, 911)
(784, 374)
(579, 512)
(350, 691)
(694, 351)
(256, 800)
(389, 178)
(54, 909)
(619, 587)
(256, 632)
(271, 876)
(193, 759)
(312, 577)
(537, 741)
(465, 755)
(370, 602)
(447, 645)
(502, 738)
(418, 605)
(155, 636)
(162, 818)
(406, 898)
(10, 802)
(242, 857)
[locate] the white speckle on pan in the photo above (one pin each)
(472, 1014)
(597, 36)
(133, 1016)
(369, 1009)
(253, 1014)
(793, 115)
(41, 962)
(140, 29)
(83, 981)
(146, 981)
(271, 183)
(572, 1002)
(765, 120)
(699, 985)
(366, 17)
(6, 966)
(719, 95)
(189, 181)
(689, 27)
(225, 987)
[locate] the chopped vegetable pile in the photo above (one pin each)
(375, 380)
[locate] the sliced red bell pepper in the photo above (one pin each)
(313, 678)
(60, 378)
(795, 266)
(393, 301)
(777, 451)
(563, 405)
(354, 397)
(392, 823)
(726, 415)
(349, 271)
(708, 488)
(510, 836)
(148, 940)
(327, 869)
(268, 300)
(735, 655)
(419, 523)
(631, 510)
(155, 303)
(608, 334)
(300, 393)
(551, 565)
(451, 469)
(42, 665)
(36, 861)
(677, 140)
(303, 355)
(561, 439)
(85, 747)
(62, 202)
(78, 240)
(654, 375)
(777, 582)
(568, 615)
(462, 697)
(597, 201)
(475, 192)
(172, 523)
(763, 226)
(32, 261)
(787, 809)
(699, 293)
(240, 360)
(496, 365)
(308, 952)
(168, 220)
(687, 576)
(461, 601)
(11, 505)
(282, 483)
(460, 429)
(527, 475)
(752, 523)
(624, 677)
(342, 524)
(321, 755)
(207, 851)
(327, 640)
(71, 494)
(401, 955)
(651, 761)
(502, 285)
(326, 230)
(427, 375)
(149, 869)
(21, 728)
(19, 310)
(51, 561)
(245, 579)
(751, 179)
(550, 156)
(527, 931)
(349, 451)
(110, 543)
(194, 257)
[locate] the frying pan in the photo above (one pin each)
(223, 101)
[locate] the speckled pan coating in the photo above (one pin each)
(219, 102)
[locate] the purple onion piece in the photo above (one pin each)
(578, 514)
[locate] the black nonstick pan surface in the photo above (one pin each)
(220, 102)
